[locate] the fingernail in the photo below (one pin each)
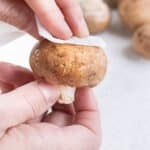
(82, 29)
(66, 31)
(50, 93)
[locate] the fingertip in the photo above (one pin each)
(82, 29)
(83, 93)
(58, 29)
(85, 99)
(87, 112)
(5, 87)
(64, 35)
(15, 75)
(74, 16)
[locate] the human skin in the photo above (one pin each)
(68, 127)
(62, 18)
(24, 101)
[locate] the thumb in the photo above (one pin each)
(26, 103)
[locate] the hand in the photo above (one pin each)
(62, 18)
(68, 127)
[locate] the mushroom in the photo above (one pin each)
(68, 66)
(141, 40)
(97, 15)
(135, 14)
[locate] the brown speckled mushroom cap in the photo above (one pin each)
(141, 40)
(68, 64)
(134, 13)
(97, 15)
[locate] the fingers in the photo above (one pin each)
(69, 109)
(60, 19)
(62, 115)
(34, 136)
(60, 119)
(18, 14)
(5, 87)
(26, 103)
(74, 17)
(51, 17)
(87, 113)
(36, 120)
(14, 75)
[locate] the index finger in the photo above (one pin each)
(87, 110)
(51, 17)
(74, 17)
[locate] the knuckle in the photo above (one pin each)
(34, 101)
(35, 107)
(30, 105)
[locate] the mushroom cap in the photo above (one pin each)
(97, 15)
(68, 64)
(134, 13)
(141, 40)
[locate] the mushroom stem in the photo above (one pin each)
(67, 94)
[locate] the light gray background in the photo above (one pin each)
(124, 95)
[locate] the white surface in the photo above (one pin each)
(5, 31)
(124, 96)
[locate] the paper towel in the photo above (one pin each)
(91, 40)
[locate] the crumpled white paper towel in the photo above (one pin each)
(91, 40)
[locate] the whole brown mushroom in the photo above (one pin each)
(141, 40)
(97, 15)
(134, 13)
(68, 65)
